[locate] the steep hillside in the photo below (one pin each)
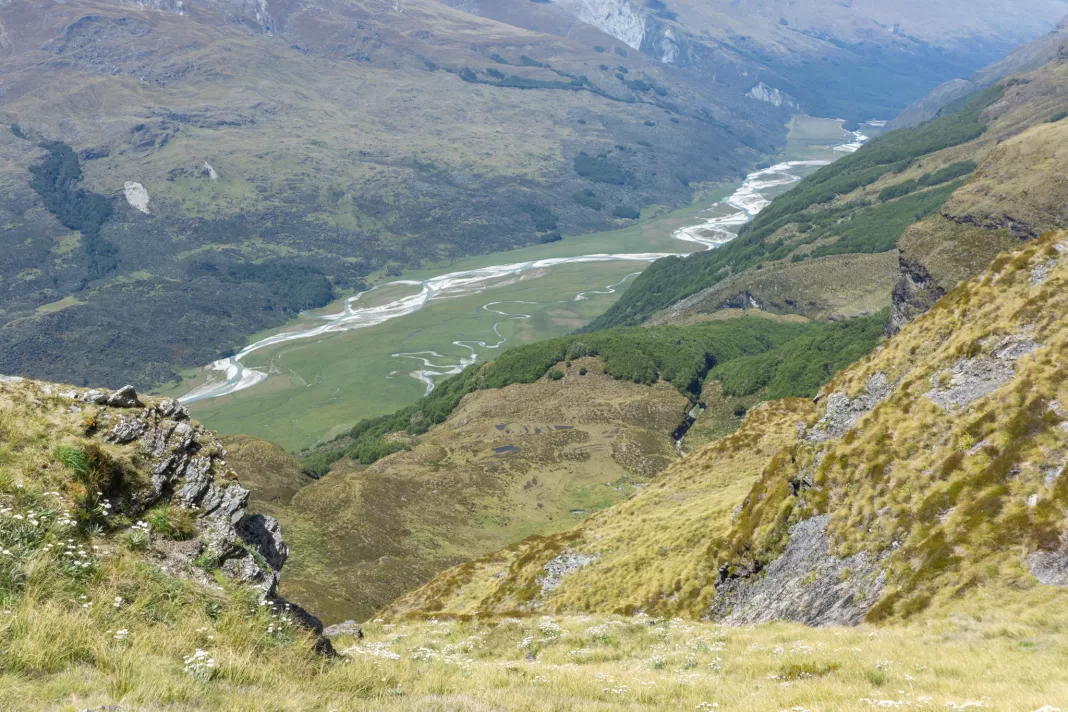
(124, 535)
(945, 195)
(176, 179)
(528, 444)
(101, 611)
(931, 472)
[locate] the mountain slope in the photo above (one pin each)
(973, 497)
(912, 190)
(935, 468)
(858, 60)
(176, 179)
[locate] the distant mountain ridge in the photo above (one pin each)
(823, 55)
(1026, 58)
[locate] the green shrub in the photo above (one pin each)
(367, 452)
(1059, 116)
(56, 180)
(950, 172)
(799, 368)
(599, 170)
(588, 199)
(317, 465)
(681, 356)
(75, 460)
(626, 213)
(878, 229)
(544, 219)
(297, 286)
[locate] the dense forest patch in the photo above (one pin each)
(799, 368)
(57, 180)
(682, 356)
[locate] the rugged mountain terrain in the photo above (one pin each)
(179, 176)
(529, 444)
(866, 244)
(934, 469)
(930, 477)
(1026, 58)
(859, 60)
(945, 196)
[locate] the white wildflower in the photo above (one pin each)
(200, 665)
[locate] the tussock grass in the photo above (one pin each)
(576, 663)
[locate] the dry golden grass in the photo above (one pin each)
(962, 497)
(650, 553)
(509, 463)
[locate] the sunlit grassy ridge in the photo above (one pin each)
(954, 470)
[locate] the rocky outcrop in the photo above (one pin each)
(618, 18)
(1019, 229)
(807, 584)
(771, 95)
(179, 464)
(185, 466)
(1050, 567)
(969, 379)
(564, 564)
(915, 291)
(842, 413)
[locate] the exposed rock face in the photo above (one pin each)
(807, 584)
(915, 292)
(843, 413)
(1050, 567)
(1019, 229)
(136, 196)
(618, 18)
(186, 467)
(762, 92)
(561, 566)
(125, 397)
(973, 378)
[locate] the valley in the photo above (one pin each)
(512, 355)
(376, 351)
